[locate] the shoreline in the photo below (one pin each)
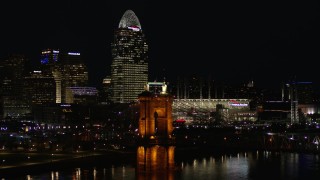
(83, 160)
(108, 158)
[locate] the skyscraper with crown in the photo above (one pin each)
(129, 68)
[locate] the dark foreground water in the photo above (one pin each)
(159, 162)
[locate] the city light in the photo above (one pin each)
(73, 54)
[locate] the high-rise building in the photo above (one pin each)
(75, 73)
(50, 65)
(11, 82)
(301, 95)
(39, 88)
(129, 68)
(49, 56)
(11, 72)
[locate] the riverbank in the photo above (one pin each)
(14, 164)
(25, 163)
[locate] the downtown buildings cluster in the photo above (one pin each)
(58, 93)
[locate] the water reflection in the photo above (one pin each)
(222, 166)
(155, 162)
(169, 162)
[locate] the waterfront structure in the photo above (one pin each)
(129, 68)
(155, 121)
(202, 111)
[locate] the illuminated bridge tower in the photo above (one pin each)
(129, 68)
(155, 122)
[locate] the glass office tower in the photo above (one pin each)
(129, 68)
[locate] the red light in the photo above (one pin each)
(180, 120)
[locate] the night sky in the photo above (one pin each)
(230, 42)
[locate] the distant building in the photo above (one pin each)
(39, 88)
(74, 73)
(129, 68)
(74, 70)
(82, 95)
(274, 111)
(50, 65)
(105, 93)
(302, 98)
(203, 111)
(49, 57)
(303, 91)
(11, 85)
(67, 68)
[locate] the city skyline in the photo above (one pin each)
(234, 43)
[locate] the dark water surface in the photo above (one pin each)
(158, 162)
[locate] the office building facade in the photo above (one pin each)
(12, 71)
(50, 65)
(129, 68)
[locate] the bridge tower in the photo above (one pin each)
(155, 121)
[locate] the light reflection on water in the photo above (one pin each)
(157, 162)
(223, 167)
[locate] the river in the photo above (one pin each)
(169, 162)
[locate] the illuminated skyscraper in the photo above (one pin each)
(129, 69)
(50, 59)
(75, 73)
